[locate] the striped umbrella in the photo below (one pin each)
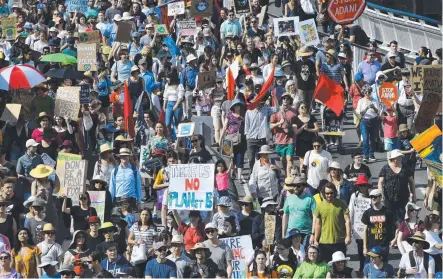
(20, 77)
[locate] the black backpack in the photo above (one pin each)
(402, 272)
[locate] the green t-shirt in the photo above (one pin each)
(299, 211)
(332, 216)
(309, 270)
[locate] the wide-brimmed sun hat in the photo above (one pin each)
(41, 171)
(402, 128)
(265, 149)
(107, 225)
(225, 201)
(177, 239)
(99, 179)
(334, 166)
(122, 138)
(303, 51)
(338, 256)
(105, 147)
(394, 154)
(74, 236)
(42, 115)
(48, 228)
(236, 102)
(268, 201)
(247, 199)
(419, 237)
(198, 246)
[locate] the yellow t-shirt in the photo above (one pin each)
(332, 216)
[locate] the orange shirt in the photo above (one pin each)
(262, 275)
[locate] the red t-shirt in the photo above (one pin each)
(405, 230)
(355, 94)
(191, 235)
(281, 132)
(390, 126)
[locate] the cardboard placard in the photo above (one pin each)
(89, 37)
(9, 25)
(227, 148)
(191, 186)
(187, 28)
(261, 16)
(206, 80)
(85, 91)
(201, 8)
(286, 26)
(161, 29)
(77, 5)
(60, 170)
(185, 129)
(241, 7)
(11, 112)
(432, 86)
(361, 204)
(87, 57)
(98, 201)
(417, 77)
(74, 179)
(242, 248)
(269, 228)
(67, 102)
(176, 8)
(308, 32)
(388, 94)
(123, 32)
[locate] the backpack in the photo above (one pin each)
(402, 272)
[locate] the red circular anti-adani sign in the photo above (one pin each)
(345, 11)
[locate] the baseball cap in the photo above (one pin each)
(375, 193)
(31, 142)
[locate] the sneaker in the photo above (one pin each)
(372, 159)
(365, 160)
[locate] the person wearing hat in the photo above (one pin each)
(379, 224)
(126, 180)
(391, 68)
(268, 206)
(397, 184)
(431, 232)
(105, 164)
(177, 256)
(160, 266)
(7, 271)
(284, 127)
(406, 97)
(94, 238)
(43, 123)
(29, 160)
(121, 70)
(339, 268)
(378, 267)
(99, 183)
(247, 214)
(224, 211)
(417, 263)
(220, 253)
(344, 187)
(66, 146)
(136, 84)
(334, 70)
(298, 209)
(203, 266)
(66, 271)
(48, 247)
(353, 170)
(113, 262)
(410, 225)
(355, 94)
(263, 181)
(369, 68)
(76, 251)
(230, 26)
(188, 79)
(94, 267)
(49, 267)
(410, 157)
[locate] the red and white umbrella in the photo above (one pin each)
(20, 77)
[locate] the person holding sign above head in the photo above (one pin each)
(195, 231)
(203, 266)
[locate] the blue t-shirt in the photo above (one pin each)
(300, 211)
(58, 275)
(370, 271)
(161, 270)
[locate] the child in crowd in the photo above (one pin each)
(222, 178)
(223, 211)
(389, 119)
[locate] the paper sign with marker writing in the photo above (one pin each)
(80, 6)
(242, 248)
(11, 112)
(176, 8)
(67, 102)
(74, 179)
(361, 204)
(191, 186)
(60, 170)
(86, 57)
(98, 201)
(187, 27)
(161, 29)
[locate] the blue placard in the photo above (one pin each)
(80, 5)
(84, 94)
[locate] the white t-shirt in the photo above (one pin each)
(317, 166)
(48, 250)
(405, 264)
(433, 239)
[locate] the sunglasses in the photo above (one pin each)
(194, 141)
(36, 208)
(176, 245)
(375, 197)
(94, 224)
(210, 231)
(108, 231)
(164, 249)
(412, 209)
(5, 258)
(50, 233)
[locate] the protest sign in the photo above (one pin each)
(241, 7)
(123, 32)
(89, 37)
(60, 170)
(261, 16)
(431, 102)
(308, 32)
(80, 6)
(285, 26)
(144, 154)
(242, 248)
(429, 147)
(18, 3)
(191, 186)
(176, 8)
(185, 129)
(206, 79)
(87, 57)
(201, 8)
(161, 29)
(47, 160)
(361, 204)
(187, 28)
(63, 156)
(417, 77)
(11, 112)
(269, 228)
(9, 25)
(388, 94)
(67, 102)
(226, 148)
(85, 91)
(74, 179)
(98, 201)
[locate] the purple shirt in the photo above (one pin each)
(369, 70)
(234, 124)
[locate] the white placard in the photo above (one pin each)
(308, 32)
(241, 247)
(361, 204)
(191, 186)
(176, 8)
(286, 26)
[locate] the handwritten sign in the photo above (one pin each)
(269, 228)
(85, 91)
(206, 79)
(74, 179)
(87, 57)
(60, 170)
(187, 28)
(191, 186)
(176, 8)
(98, 201)
(123, 32)
(11, 112)
(201, 8)
(388, 94)
(67, 102)
(9, 27)
(185, 129)
(432, 86)
(63, 156)
(242, 248)
(89, 37)
(47, 160)
(361, 204)
(77, 5)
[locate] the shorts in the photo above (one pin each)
(391, 144)
(285, 150)
(105, 101)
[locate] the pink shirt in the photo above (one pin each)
(222, 181)
(390, 127)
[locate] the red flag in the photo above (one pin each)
(231, 85)
(128, 112)
(330, 93)
(263, 91)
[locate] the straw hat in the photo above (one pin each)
(338, 257)
(419, 237)
(41, 171)
(159, 244)
(48, 228)
(402, 128)
(200, 245)
(285, 63)
(105, 147)
(42, 115)
(127, 16)
(125, 152)
(303, 51)
(122, 138)
(107, 225)
(177, 239)
(247, 199)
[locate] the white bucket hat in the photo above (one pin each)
(190, 58)
(265, 149)
(338, 257)
(334, 165)
(394, 154)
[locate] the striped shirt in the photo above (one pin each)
(333, 71)
(147, 235)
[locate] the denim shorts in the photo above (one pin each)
(391, 144)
